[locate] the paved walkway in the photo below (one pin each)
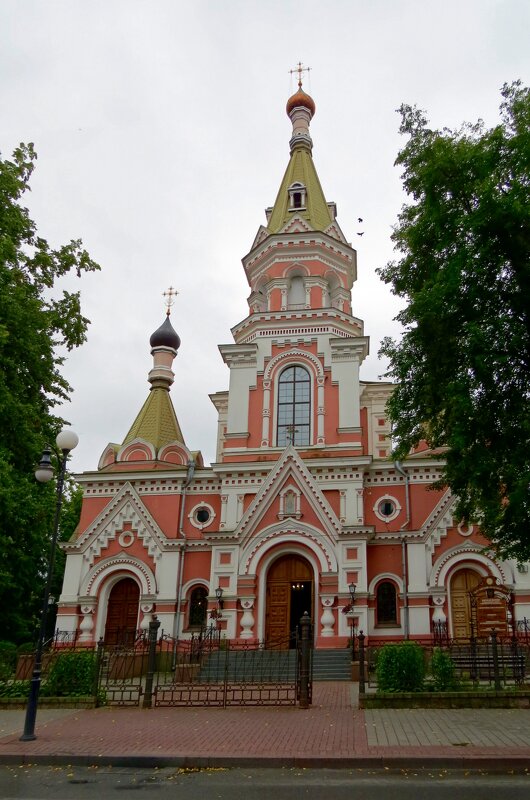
(332, 733)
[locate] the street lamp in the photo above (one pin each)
(352, 587)
(219, 597)
(66, 441)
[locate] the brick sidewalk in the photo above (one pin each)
(331, 733)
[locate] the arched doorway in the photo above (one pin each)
(462, 583)
(122, 613)
(289, 595)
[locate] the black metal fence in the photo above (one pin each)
(490, 661)
(207, 670)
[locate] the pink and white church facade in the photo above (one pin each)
(303, 499)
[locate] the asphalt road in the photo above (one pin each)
(78, 783)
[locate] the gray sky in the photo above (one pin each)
(161, 132)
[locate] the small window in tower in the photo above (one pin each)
(297, 196)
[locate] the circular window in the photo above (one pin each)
(387, 508)
(202, 515)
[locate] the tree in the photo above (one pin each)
(36, 318)
(463, 363)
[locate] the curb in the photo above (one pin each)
(472, 762)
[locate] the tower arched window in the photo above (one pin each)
(294, 407)
(198, 607)
(386, 604)
(297, 196)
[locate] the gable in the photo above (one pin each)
(126, 519)
(289, 493)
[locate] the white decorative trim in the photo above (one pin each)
(125, 507)
(118, 566)
(468, 552)
(192, 516)
(385, 576)
(465, 530)
(388, 517)
(288, 465)
(296, 355)
(290, 533)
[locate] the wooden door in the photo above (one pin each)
(461, 584)
(122, 613)
(285, 572)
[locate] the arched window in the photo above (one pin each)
(198, 607)
(294, 407)
(386, 604)
(296, 293)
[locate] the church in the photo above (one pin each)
(304, 509)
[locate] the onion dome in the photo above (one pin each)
(300, 98)
(165, 336)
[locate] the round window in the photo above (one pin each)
(386, 508)
(202, 515)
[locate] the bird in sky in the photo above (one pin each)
(360, 219)
(360, 234)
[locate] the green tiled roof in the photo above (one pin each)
(301, 169)
(157, 422)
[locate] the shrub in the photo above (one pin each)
(71, 674)
(443, 671)
(400, 668)
(19, 689)
(8, 660)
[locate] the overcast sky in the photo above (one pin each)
(161, 133)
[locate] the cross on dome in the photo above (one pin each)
(300, 70)
(170, 295)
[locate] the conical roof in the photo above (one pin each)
(301, 169)
(156, 422)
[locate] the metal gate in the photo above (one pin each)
(206, 670)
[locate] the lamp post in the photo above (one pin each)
(352, 587)
(66, 441)
(219, 598)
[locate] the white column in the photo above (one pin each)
(247, 620)
(86, 627)
(265, 429)
(321, 410)
(327, 619)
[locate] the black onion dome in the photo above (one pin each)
(165, 336)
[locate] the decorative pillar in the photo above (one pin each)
(284, 298)
(146, 607)
(86, 626)
(327, 619)
(342, 511)
(360, 506)
(321, 411)
(224, 501)
(265, 429)
(247, 620)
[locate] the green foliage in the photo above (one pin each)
(71, 674)
(463, 363)
(400, 668)
(36, 317)
(443, 671)
(17, 689)
(8, 659)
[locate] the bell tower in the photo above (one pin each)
(294, 364)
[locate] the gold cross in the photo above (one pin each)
(170, 298)
(300, 69)
(291, 430)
